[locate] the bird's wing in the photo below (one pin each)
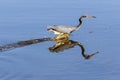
(61, 28)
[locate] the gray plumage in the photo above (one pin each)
(61, 29)
(68, 29)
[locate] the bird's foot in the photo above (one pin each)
(63, 37)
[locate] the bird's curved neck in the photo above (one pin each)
(80, 23)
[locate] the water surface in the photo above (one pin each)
(28, 19)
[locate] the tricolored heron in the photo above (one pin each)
(68, 29)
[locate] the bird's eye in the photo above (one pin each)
(84, 16)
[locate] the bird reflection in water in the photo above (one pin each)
(63, 43)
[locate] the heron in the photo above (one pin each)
(68, 29)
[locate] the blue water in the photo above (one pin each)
(28, 19)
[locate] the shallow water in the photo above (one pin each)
(28, 19)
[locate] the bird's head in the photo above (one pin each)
(87, 16)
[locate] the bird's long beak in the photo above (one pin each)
(91, 17)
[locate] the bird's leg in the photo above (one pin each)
(61, 38)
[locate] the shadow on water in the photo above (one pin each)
(23, 43)
(58, 47)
